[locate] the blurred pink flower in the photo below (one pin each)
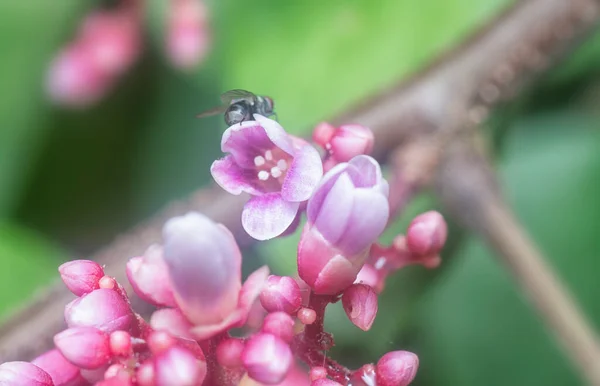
(187, 33)
(23, 374)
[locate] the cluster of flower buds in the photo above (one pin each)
(109, 42)
(194, 278)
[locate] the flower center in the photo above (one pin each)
(271, 168)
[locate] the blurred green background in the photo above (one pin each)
(72, 180)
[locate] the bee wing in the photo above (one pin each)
(214, 111)
(232, 95)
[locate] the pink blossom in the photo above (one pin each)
(426, 234)
(120, 343)
(360, 304)
(343, 143)
(81, 276)
(85, 347)
(23, 374)
(104, 309)
(204, 264)
(336, 240)
(150, 279)
(178, 366)
(279, 171)
(229, 352)
(267, 358)
(62, 372)
(307, 315)
(397, 368)
(281, 293)
(324, 382)
(188, 33)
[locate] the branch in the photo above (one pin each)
(493, 66)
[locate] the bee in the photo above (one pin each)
(240, 105)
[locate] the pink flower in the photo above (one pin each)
(104, 309)
(81, 276)
(343, 143)
(279, 324)
(204, 264)
(397, 368)
(188, 34)
(178, 366)
(347, 213)
(280, 172)
(426, 234)
(23, 374)
(150, 279)
(85, 347)
(267, 358)
(360, 305)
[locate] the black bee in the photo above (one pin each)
(240, 105)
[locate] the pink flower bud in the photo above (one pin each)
(281, 293)
(279, 324)
(81, 276)
(62, 372)
(372, 277)
(267, 358)
(85, 347)
(120, 343)
(426, 234)
(307, 315)
(178, 366)
(204, 264)
(323, 133)
(397, 368)
(149, 277)
(364, 376)
(317, 372)
(103, 309)
(23, 374)
(350, 141)
(188, 35)
(172, 321)
(229, 352)
(336, 240)
(360, 304)
(74, 78)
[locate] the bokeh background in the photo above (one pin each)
(71, 180)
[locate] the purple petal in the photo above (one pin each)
(322, 190)
(268, 216)
(244, 141)
(231, 177)
(276, 133)
(332, 219)
(304, 175)
(368, 172)
(369, 215)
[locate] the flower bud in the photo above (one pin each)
(360, 304)
(103, 309)
(172, 321)
(149, 277)
(267, 358)
(229, 352)
(120, 344)
(281, 293)
(23, 374)
(204, 264)
(81, 276)
(178, 366)
(279, 324)
(322, 134)
(350, 141)
(188, 35)
(324, 382)
(307, 315)
(372, 277)
(336, 240)
(317, 372)
(85, 347)
(426, 234)
(62, 372)
(397, 368)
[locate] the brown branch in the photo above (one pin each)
(467, 185)
(438, 104)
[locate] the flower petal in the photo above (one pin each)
(268, 216)
(334, 216)
(304, 175)
(245, 141)
(276, 133)
(231, 177)
(322, 190)
(369, 215)
(368, 172)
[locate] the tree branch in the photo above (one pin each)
(440, 104)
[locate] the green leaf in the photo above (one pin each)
(476, 327)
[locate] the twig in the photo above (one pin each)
(492, 66)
